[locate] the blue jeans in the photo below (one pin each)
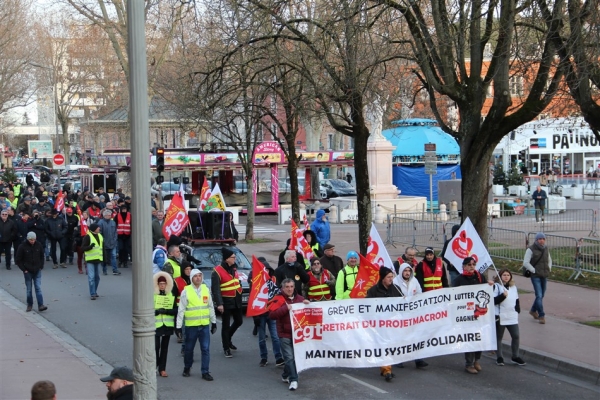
(112, 254)
(265, 321)
(93, 273)
(36, 278)
(202, 334)
(539, 287)
(289, 371)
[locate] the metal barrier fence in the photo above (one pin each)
(523, 218)
(579, 255)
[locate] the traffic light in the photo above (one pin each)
(160, 179)
(160, 159)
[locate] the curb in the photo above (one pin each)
(76, 349)
(561, 365)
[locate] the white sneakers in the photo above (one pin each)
(293, 385)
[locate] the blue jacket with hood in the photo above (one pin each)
(321, 229)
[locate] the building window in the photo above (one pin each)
(351, 144)
(258, 131)
(329, 141)
(273, 131)
(273, 103)
(341, 142)
(516, 85)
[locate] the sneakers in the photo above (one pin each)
(92, 297)
(8, 267)
(186, 372)
(104, 273)
(286, 380)
(542, 320)
(55, 266)
(29, 308)
(116, 272)
(518, 361)
(470, 369)
(207, 377)
(280, 362)
(421, 364)
(388, 377)
(293, 385)
(228, 353)
(255, 330)
(500, 361)
(263, 362)
(42, 308)
(62, 265)
(477, 366)
(232, 347)
(534, 314)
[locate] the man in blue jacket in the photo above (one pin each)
(321, 229)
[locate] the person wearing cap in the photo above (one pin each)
(331, 262)
(196, 310)
(227, 292)
(347, 276)
(385, 288)
(30, 259)
(431, 273)
(92, 245)
(538, 261)
(320, 282)
(123, 221)
(108, 229)
(25, 206)
(56, 229)
(321, 228)
(8, 233)
(470, 276)
(292, 269)
(119, 384)
(165, 310)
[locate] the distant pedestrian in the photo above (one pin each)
(43, 390)
(30, 260)
(92, 247)
(8, 233)
(321, 228)
(108, 229)
(119, 384)
(506, 302)
(539, 198)
(56, 229)
(349, 177)
(539, 262)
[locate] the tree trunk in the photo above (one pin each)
(363, 188)
(292, 169)
(250, 203)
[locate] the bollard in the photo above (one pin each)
(443, 215)
(453, 209)
(333, 214)
(379, 215)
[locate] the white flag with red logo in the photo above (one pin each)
(376, 251)
(59, 204)
(467, 243)
(176, 218)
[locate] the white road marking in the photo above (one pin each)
(375, 388)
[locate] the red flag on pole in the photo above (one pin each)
(301, 245)
(368, 275)
(258, 301)
(205, 193)
(59, 204)
(306, 224)
(83, 227)
(176, 218)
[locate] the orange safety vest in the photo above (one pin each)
(123, 227)
(94, 213)
(318, 289)
(181, 284)
(432, 281)
(229, 284)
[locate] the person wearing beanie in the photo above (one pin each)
(470, 276)
(344, 282)
(538, 261)
(431, 273)
(293, 269)
(92, 245)
(179, 285)
(385, 288)
(262, 321)
(30, 259)
(226, 289)
(165, 310)
(320, 282)
(196, 305)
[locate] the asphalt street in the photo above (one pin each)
(104, 327)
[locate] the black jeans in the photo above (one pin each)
(124, 243)
(5, 248)
(161, 344)
(61, 245)
(228, 331)
(69, 247)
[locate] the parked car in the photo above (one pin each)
(210, 256)
(170, 188)
(336, 188)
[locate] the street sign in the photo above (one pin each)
(430, 147)
(59, 161)
(527, 179)
(430, 170)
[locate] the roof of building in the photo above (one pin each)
(410, 135)
(158, 111)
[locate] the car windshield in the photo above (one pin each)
(340, 184)
(211, 257)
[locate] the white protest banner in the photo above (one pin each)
(376, 251)
(467, 243)
(374, 332)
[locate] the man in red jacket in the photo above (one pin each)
(280, 312)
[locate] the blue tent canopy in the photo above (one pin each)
(410, 136)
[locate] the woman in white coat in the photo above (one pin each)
(506, 301)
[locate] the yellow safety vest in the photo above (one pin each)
(176, 268)
(17, 190)
(13, 203)
(344, 286)
(197, 312)
(164, 319)
(94, 254)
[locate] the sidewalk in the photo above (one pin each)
(32, 349)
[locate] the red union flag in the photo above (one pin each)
(59, 204)
(258, 301)
(300, 244)
(83, 227)
(306, 224)
(204, 196)
(368, 275)
(176, 219)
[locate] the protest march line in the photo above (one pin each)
(374, 332)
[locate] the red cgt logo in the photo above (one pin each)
(307, 324)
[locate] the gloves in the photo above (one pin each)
(159, 311)
(178, 333)
(92, 245)
(213, 328)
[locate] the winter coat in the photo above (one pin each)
(157, 231)
(296, 272)
(466, 280)
(165, 330)
(72, 223)
(281, 314)
(411, 287)
(108, 229)
(56, 228)
(378, 290)
(30, 257)
(23, 227)
(8, 230)
(332, 264)
(125, 393)
(38, 226)
(321, 229)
